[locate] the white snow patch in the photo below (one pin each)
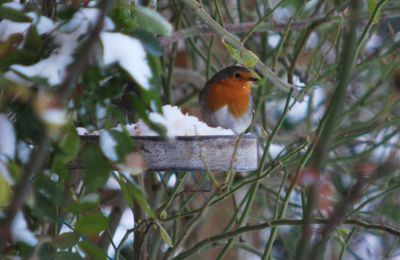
(312, 41)
(112, 184)
(86, 17)
(13, 5)
(177, 124)
(23, 151)
(7, 138)
(396, 37)
(101, 111)
(14, 77)
(274, 40)
(367, 246)
(20, 231)
(7, 147)
(299, 110)
(373, 44)
(43, 24)
(388, 146)
(108, 145)
(8, 28)
(275, 150)
(129, 53)
(172, 118)
(54, 116)
(282, 15)
(127, 222)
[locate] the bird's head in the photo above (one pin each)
(235, 77)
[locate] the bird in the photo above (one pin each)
(226, 100)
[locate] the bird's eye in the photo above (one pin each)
(237, 75)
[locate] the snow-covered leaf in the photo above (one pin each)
(13, 15)
(129, 53)
(8, 28)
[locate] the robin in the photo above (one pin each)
(226, 99)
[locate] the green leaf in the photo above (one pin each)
(17, 56)
(124, 143)
(70, 144)
(140, 197)
(49, 196)
(152, 21)
(91, 250)
(5, 192)
(91, 224)
(133, 190)
(96, 167)
(66, 240)
(245, 57)
(126, 192)
(67, 256)
(9, 45)
(371, 10)
(14, 15)
(164, 235)
(150, 42)
(123, 18)
(371, 7)
(86, 203)
(33, 41)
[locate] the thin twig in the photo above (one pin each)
(282, 222)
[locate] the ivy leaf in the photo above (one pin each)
(154, 21)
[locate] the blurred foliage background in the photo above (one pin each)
(326, 115)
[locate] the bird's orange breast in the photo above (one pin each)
(236, 95)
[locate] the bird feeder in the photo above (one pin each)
(195, 153)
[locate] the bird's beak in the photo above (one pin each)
(254, 79)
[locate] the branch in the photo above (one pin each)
(205, 30)
(282, 222)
